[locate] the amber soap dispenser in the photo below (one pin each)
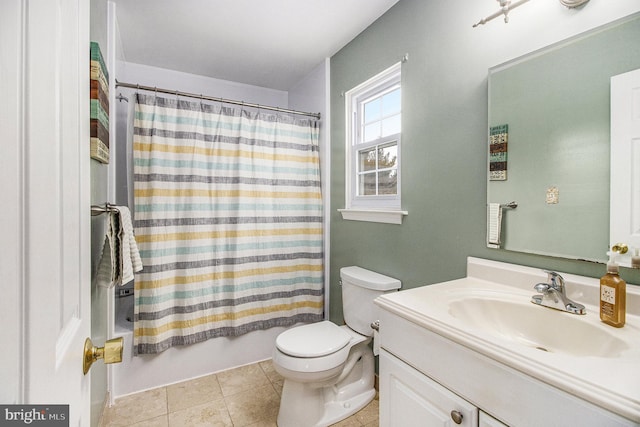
(613, 296)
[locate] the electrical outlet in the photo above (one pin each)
(553, 195)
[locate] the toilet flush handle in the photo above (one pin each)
(375, 325)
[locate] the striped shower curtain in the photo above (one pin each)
(228, 219)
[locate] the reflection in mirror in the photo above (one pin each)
(555, 105)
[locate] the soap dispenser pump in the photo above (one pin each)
(613, 295)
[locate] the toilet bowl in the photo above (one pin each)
(328, 369)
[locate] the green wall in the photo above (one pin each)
(444, 144)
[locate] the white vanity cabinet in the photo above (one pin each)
(425, 377)
(409, 398)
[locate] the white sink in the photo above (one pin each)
(535, 326)
(490, 312)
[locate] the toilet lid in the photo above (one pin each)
(314, 340)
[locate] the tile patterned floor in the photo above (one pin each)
(246, 396)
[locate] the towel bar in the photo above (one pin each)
(108, 207)
(510, 205)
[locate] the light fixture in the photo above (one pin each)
(573, 3)
(507, 5)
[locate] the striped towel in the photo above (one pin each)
(120, 255)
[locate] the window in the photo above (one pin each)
(374, 117)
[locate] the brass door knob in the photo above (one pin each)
(620, 248)
(111, 352)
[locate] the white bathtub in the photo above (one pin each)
(181, 363)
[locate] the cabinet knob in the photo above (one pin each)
(456, 417)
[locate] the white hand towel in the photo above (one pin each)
(495, 225)
(131, 261)
(106, 266)
(110, 269)
(120, 255)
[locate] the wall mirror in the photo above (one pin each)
(555, 105)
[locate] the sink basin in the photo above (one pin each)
(539, 327)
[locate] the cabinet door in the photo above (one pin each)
(409, 398)
(487, 420)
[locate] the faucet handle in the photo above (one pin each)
(542, 287)
(555, 279)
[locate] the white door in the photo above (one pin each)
(45, 160)
(625, 160)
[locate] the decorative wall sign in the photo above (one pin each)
(99, 106)
(498, 137)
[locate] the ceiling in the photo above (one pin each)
(267, 43)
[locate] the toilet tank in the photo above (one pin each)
(359, 288)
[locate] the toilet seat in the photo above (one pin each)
(329, 362)
(313, 340)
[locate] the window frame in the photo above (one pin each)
(377, 86)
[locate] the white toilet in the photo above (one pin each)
(328, 370)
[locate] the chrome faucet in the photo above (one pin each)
(552, 294)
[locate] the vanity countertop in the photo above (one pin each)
(490, 312)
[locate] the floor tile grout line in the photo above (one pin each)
(166, 401)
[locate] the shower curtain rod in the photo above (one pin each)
(211, 98)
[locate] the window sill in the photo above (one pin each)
(387, 217)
